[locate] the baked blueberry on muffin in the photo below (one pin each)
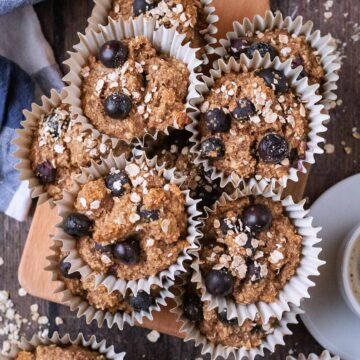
(219, 330)
(59, 148)
(279, 42)
(132, 223)
(253, 124)
(188, 16)
(130, 89)
(250, 250)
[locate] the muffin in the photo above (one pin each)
(250, 250)
(59, 148)
(100, 298)
(174, 152)
(130, 89)
(219, 330)
(188, 16)
(253, 124)
(131, 223)
(55, 352)
(286, 45)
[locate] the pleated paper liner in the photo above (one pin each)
(84, 309)
(102, 8)
(325, 46)
(325, 355)
(66, 206)
(24, 141)
(192, 333)
(56, 339)
(166, 41)
(297, 287)
(308, 97)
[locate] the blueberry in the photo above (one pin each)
(257, 217)
(117, 182)
(274, 79)
(77, 224)
(45, 172)
(141, 6)
(149, 215)
(273, 148)
(103, 248)
(53, 124)
(263, 49)
(225, 225)
(192, 307)
(222, 316)
(217, 121)
(212, 148)
(296, 63)
(219, 282)
(244, 110)
(64, 268)
(238, 46)
(113, 53)
(128, 251)
(118, 105)
(142, 301)
(254, 271)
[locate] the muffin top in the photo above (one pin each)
(250, 250)
(99, 297)
(188, 16)
(219, 330)
(54, 352)
(136, 213)
(253, 124)
(279, 42)
(130, 89)
(59, 148)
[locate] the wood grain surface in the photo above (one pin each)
(61, 20)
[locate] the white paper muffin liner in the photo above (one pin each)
(325, 355)
(113, 283)
(297, 287)
(84, 309)
(102, 8)
(325, 46)
(166, 41)
(56, 339)
(270, 342)
(24, 140)
(307, 95)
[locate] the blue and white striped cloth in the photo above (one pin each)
(27, 70)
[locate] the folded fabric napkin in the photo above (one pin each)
(21, 42)
(9, 5)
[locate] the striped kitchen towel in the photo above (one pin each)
(27, 64)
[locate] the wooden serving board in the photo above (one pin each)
(32, 276)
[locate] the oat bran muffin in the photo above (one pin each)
(59, 148)
(250, 250)
(219, 330)
(54, 352)
(99, 297)
(134, 217)
(279, 42)
(253, 124)
(130, 89)
(188, 16)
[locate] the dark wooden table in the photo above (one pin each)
(61, 20)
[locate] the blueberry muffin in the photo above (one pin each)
(188, 16)
(130, 89)
(219, 330)
(131, 223)
(253, 124)
(55, 352)
(279, 42)
(250, 250)
(59, 148)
